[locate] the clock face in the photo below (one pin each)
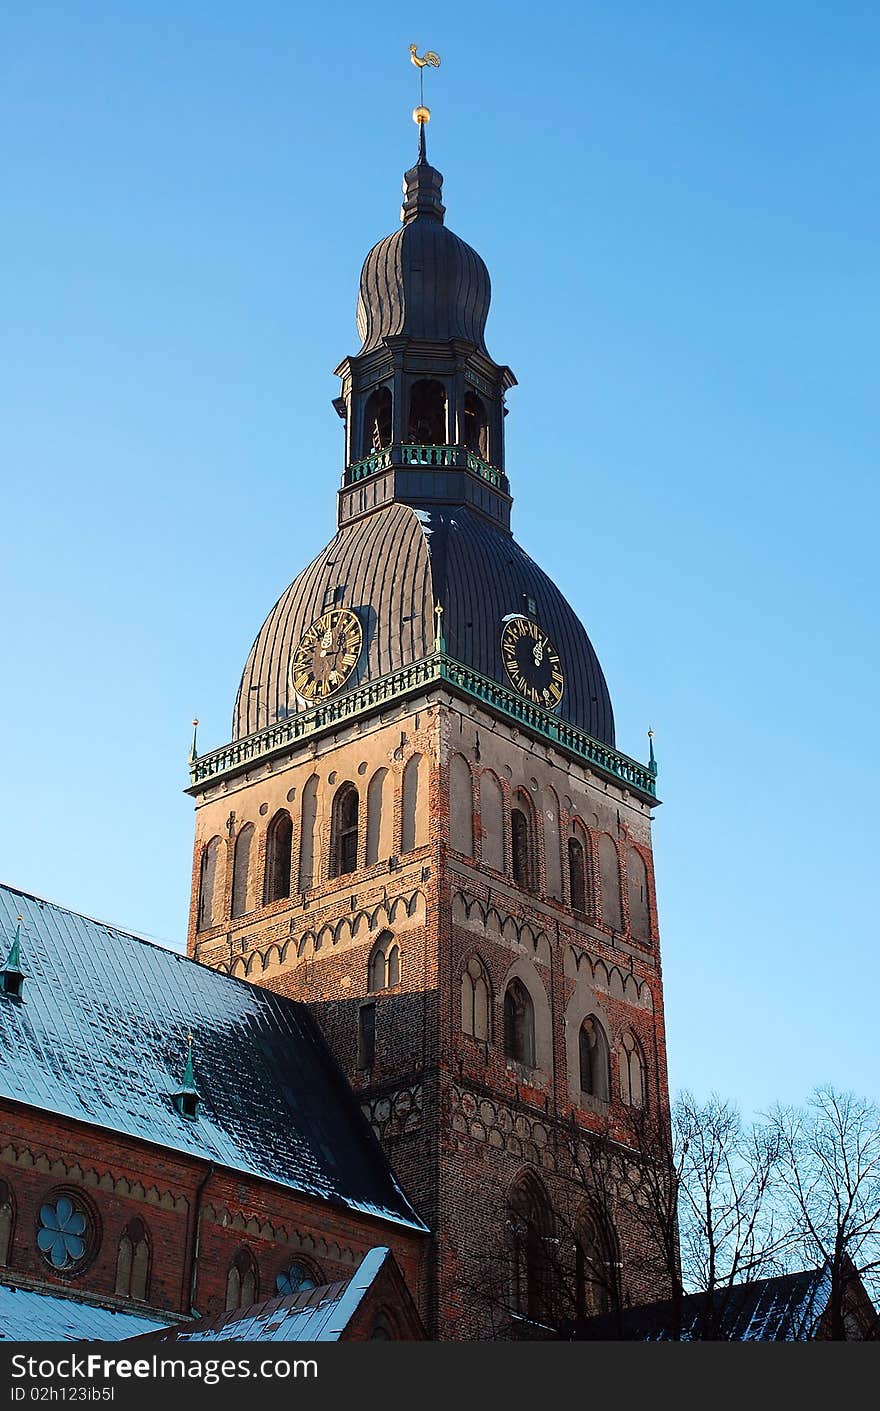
(532, 662)
(327, 655)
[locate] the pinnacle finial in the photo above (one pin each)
(652, 762)
(439, 639)
(193, 753)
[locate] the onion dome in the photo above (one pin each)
(423, 281)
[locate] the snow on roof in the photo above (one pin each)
(101, 1036)
(314, 1315)
(28, 1316)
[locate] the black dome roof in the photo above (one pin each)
(392, 566)
(423, 281)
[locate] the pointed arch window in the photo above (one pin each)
(519, 1024)
(597, 1265)
(475, 1008)
(344, 833)
(279, 847)
(593, 1054)
(637, 895)
(241, 863)
(377, 421)
(530, 1227)
(632, 1071)
(241, 1281)
(427, 413)
(133, 1261)
(384, 964)
(208, 885)
(577, 875)
(296, 1278)
(522, 844)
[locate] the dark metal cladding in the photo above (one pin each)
(101, 1037)
(423, 281)
(392, 567)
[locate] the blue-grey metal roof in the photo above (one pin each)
(315, 1315)
(101, 1036)
(28, 1316)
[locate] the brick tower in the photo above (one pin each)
(422, 828)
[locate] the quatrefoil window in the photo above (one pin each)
(62, 1233)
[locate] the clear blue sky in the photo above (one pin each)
(678, 204)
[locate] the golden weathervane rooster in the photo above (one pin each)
(429, 57)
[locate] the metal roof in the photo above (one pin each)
(315, 1315)
(391, 567)
(101, 1036)
(28, 1316)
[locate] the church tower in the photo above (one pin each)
(422, 828)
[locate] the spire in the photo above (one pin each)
(422, 184)
(187, 1097)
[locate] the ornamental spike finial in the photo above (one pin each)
(193, 753)
(652, 762)
(439, 639)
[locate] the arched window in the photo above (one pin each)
(344, 834)
(308, 818)
(377, 421)
(597, 1265)
(476, 425)
(475, 1000)
(632, 1071)
(241, 1281)
(593, 1053)
(279, 843)
(380, 817)
(414, 812)
(295, 1278)
(241, 863)
(133, 1261)
(427, 413)
(384, 970)
(609, 877)
(208, 885)
(637, 895)
(519, 1024)
(7, 1221)
(530, 1228)
(577, 875)
(522, 844)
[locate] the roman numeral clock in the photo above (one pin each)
(532, 662)
(327, 655)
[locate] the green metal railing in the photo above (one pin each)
(399, 684)
(433, 457)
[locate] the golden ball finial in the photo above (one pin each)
(421, 114)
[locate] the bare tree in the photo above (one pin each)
(729, 1225)
(829, 1177)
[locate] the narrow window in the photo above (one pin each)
(530, 1226)
(7, 1219)
(413, 829)
(308, 819)
(240, 870)
(577, 881)
(475, 1001)
(632, 1072)
(593, 1045)
(241, 1281)
(133, 1261)
(344, 841)
(384, 967)
(519, 1024)
(208, 885)
(366, 1038)
(279, 845)
(521, 849)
